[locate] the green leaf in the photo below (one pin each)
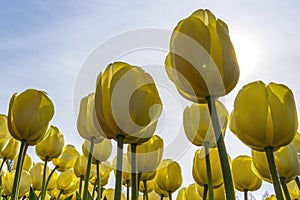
(90, 196)
(70, 197)
(32, 195)
(78, 197)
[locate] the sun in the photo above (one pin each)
(247, 52)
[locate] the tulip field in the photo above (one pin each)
(124, 109)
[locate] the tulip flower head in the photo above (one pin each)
(198, 126)
(27, 163)
(4, 132)
(243, 176)
(52, 144)
(36, 173)
(67, 158)
(29, 115)
(264, 116)
(67, 182)
(127, 103)
(11, 149)
(102, 150)
(25, 183)
(202, 60)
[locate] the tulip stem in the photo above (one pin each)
(146, 189)
(3, 161)
(228, 183)
(298, 182)
(245, 194)
(274, 173)
(88, 169)
(118, 184)
(22, 152)
(43, 192)
(134, 189)
(285, 188)
(60, 193)
(170, 195)
(208, 171)
(99, 196)
(80, 184)
(127, 186)
(50, 175)
(161, 197)
(205, 189)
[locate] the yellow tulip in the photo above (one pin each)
(219, 193)
(102, 150)
(85, 123)
(243, 176)
(168, 176)
(189, 192)
(296, 142)
(54, 192)
(149, 150)
(147, 176)
(27, 163)
(11, 149)
(67, 182)
(198, 126)
(29, 115)
(4, 132)
(66, 159)
(150, 186)
(126, 168)
(286, 160)
(272, 122)
(202, 60)
(127, 103)
(36, 173)
(159, 191)
(199, 168)
(51, 146)
(25, 183)
(80, 166)
(52, 181)
(272, 197)
(293, 190)
(109, 194)
(105, 170)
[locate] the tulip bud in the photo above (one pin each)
(27, 163)
(67, 159)
(199, 168)
(243, 176)
(80, 166)
(4, 132)
(189, 192)
(29, 115)
(105, 169)
(36, 173)
(168, 175)
(202, 60)
(198, 126)
(51, 146)
(11, 149)
(147, 176)
(293, 190)
(150, 150)
(286, 160)
(52, 181)
(67, 182)
(85, 123)
(25, 183)
(274, 116)
(127, 103)
(150, 186)
(102, 150)
(159, 191)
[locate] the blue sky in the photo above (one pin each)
(43, 45)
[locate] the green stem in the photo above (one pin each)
(50, 175)
(80, 185)
(139, 180)
(94, 190)
(298, 182)
(146, 190)
(3, 161)
(43, 192)
(208, 171)
(98, 180)
(205, 189)
(134, 186)
(285, 188)
(88, 169)
(118, 184)
(170, 195)
(22, 152)
(60, 193)
(161, 197)
(273, 171)
(127, 186)
(245, 194)
(226, 171)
